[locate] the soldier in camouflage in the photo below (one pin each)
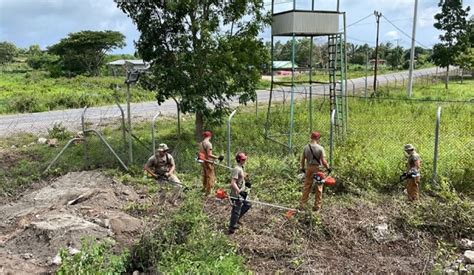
(412, 172)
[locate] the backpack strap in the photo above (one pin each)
(312, 153)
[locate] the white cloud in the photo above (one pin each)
(426, 17)
(392, 35)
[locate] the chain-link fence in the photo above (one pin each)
(372, 152)
(38, 123)
(456, 145)
(396, 83)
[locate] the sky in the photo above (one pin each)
(45, 22)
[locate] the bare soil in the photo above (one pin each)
(359, 238)
(57, 214)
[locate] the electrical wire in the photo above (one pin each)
(359, 40)
(358, 21)
(400, 30)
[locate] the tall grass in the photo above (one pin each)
(35, 91)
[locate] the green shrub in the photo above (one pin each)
(448, 215)
(185, 243)
(59, 131)
(93, 258)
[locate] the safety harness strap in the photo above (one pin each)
(312, 153)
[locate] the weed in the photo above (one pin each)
(59, 131)
(136, 208)
(93, 258)
(185, 244)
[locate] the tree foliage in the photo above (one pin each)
(85, 51)
(7, 52)
(395, 57)
(202, 52)
(38, 59)
(455, 40)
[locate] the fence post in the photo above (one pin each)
(122, 113)
(435, 158)
(228, 137)
(331, 138)
(387, 84)
(153, 131)
(353, 87)
(85, 136)
(256, 107)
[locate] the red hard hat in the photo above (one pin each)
(315, 135)
(207, 134)
(240, 156)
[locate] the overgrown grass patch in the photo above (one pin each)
(184, 243)
(35, 91)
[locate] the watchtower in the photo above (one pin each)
(311, 23)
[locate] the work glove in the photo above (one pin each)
(302, 170)
(248, 184)
(221, 158)
(329, 171)
(243, 194)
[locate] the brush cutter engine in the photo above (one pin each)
(413, 173)
(320, 178)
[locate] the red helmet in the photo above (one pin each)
(240, 157)
(315, 135)
(207, 134)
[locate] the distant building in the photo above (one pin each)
(381, 62)
(283, 67)
(119, 67)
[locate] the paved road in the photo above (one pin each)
(38, 123)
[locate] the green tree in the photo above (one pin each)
(34, 50)
(203, 53)
(359, 56)
(395, 57)
(39, 59)
(85, 51)
(455, 40)
(7, 52)
(466, 59)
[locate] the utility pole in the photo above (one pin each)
(377, 18)
(366, 71)
(412, 53)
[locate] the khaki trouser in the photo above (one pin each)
(208, 177)
(308, 182)
(412, 188)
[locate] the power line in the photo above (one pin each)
(400, 30)
(358, 21)
(359, 40)
(278, 2)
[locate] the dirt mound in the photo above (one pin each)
(59, 214)
(359, 238)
